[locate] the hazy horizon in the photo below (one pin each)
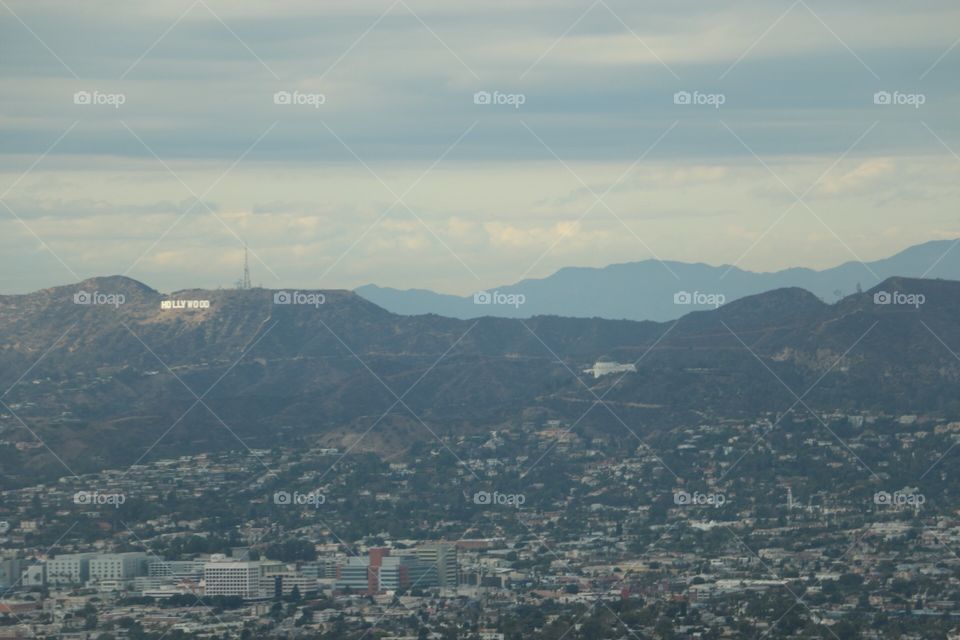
(256, 283)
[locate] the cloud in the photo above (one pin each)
(58, 208)
(496, 187)
(869, 174)
(508, 235)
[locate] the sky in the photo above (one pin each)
(462, 145)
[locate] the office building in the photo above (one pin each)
(276, 584)
(400, 573)
(320, 568)
(354, 576)
(444, 556)
(232, 579)
(69, 569)
(175, 569)
(117, 566)
(34, 575)
(10, 572)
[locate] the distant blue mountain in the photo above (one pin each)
(647, 290)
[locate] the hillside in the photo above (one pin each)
(104, 385)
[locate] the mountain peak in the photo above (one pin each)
(780, 306)
(645, 290)
(115, 284)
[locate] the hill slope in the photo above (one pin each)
(105, 385)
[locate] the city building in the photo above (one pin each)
(69, 569)
(320, 568)
(9, 572)
(398, 573)
(117, 566)
(176, 569)
(275, 584)
(444, 556)
(232, 579)
(354, 576)
(34, 575)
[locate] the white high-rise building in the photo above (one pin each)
(232, 579)
(69, 569)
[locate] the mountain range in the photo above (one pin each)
(645, 290)
(109, 371)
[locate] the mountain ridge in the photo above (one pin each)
(644, 290)
(103, 385)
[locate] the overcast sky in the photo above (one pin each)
(150, 138)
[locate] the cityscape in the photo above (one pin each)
(504, 320)
(614, 544)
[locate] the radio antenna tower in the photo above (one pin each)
(246, 269)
